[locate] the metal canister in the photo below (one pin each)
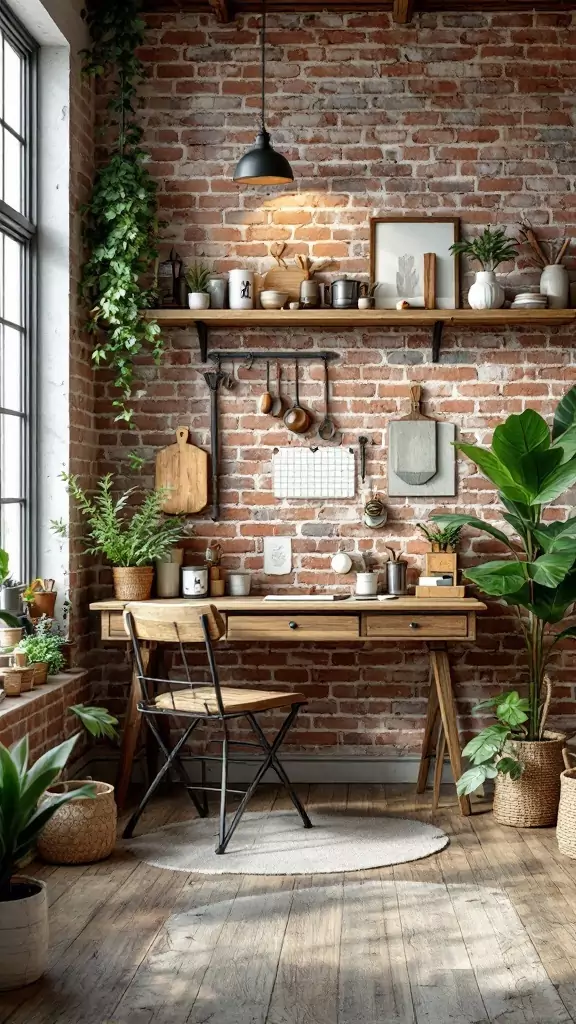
(309, 294)
(396, 577)
(195, 581)
(217, 287)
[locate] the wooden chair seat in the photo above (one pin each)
(234, 700)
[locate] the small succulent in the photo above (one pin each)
(489, 249)
(197, 277)
(443, 536)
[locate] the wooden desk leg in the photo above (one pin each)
(130, 734)
(441, 672)
(432, 713)
(438, 767)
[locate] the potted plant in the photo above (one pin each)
(197, 278)
(40, 597)
(23, 903)
(531, 467)
(548, 257)
(129, 539)
(441, 538)
(10, 589)
(489, 249)
(84, 829)
(10, 632)
(43, 649)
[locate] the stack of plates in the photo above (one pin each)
(530, 300)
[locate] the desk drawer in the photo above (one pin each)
(418, 625)
(293, 627)
(113, 626)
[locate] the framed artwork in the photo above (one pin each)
(397, 248)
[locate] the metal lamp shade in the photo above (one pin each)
(263, 165)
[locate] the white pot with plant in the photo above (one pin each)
(532, 467)
(197, 278)
(489, 249)
(130, 539)
(43, 649)
(548, 256)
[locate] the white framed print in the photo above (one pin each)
(397, 248)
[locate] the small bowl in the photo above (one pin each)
(271, 299)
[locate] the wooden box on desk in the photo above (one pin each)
(441, 592)
(441, 562)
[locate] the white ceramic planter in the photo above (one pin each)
(241, 289)
(555, 283)
(198, 300)
(24, 937)
(486, 293)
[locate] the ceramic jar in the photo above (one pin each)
(218, 289)
(486, 293)
(555, 283)
(24, 935)
(198, 300)
(241, 289)
(366, 584)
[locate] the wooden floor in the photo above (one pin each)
(484, 931)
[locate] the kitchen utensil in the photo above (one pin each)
(213, 381)
(297, 419)
(182, 469)
(363, 441)
(195, 581)
(344, 293)
(366, 584)
(309, 294)
(270, 298)
(239, 584)
(327, 428)
(284, 279)
(241, 289)
(341, 562)
(396, 577)
(412, 443)
(265, 404)
(277, 408)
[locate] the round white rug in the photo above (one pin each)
(275, 843)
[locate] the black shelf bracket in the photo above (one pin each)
(437, 340)
(202, 331)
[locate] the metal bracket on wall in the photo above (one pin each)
(437, 340)
(202, 332)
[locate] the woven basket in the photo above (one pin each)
(83, 830)
(566, 828)
(40, 672)
(532, 800)
(18, 680)
(133, 583)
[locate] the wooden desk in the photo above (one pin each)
(436, 621)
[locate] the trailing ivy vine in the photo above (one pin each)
(121, 217)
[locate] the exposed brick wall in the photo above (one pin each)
(43, 714)
(463, 115)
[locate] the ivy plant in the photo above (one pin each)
(121, 217)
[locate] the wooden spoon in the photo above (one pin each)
(266, 398)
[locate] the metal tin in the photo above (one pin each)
(195, 581)
(239, 584)
(344, 293)
(396, 577)
(217, 287)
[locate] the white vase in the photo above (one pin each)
(241, 289)
(24, 936)
(486, 293)
(198, 300)
(555, 283)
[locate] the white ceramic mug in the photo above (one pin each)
(366, 584)
(241, 289)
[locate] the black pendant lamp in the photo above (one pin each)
(263, 165)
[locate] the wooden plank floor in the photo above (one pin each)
(483, 932)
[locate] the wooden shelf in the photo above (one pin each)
(349, 319)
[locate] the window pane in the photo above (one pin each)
(11, 537)
(12, 284)
(12, 88)
(11, 483)
(12, 171)
(11, 342)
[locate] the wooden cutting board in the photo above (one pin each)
(412, 444)
(182, 468)
(286, 279)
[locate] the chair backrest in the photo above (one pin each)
(177, 622)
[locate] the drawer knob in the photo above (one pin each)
(293, 625)
(414, 625)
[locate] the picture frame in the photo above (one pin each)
(397, 248)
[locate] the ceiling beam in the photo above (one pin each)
(403, 11)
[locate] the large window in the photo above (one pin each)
(17, 290)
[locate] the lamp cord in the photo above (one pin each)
(263, 63)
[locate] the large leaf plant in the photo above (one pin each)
(532, 466)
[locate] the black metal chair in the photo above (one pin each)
(149, 622)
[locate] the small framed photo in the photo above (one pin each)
(397, 249)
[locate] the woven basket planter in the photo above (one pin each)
(83, 830)
(566, 828)
(532, 800)
(133, 583)
(24, 935)
(18, 680)
(40, 672)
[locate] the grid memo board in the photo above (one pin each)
(313, 472)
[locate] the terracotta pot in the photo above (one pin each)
(23, 935)
(40, 672)
(532, 800)
(43, 603)
(133, 583)
(83, 830)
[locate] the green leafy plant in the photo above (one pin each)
(126, 537)
(531, 466)
(3, 566)
(44, 645)
(442, 537)
(197, 277)
(9, 620)
(489, 249)
(97, 721)
(121, 217)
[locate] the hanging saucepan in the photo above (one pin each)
(297, 419)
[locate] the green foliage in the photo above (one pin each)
(531, 467)
(9, 620)
(197, 277)
(96, 721)
(126, 537)
(486, 750)
(22, 818)
(121, 217)
(489, 249)
(444, 536)
(3, 566)
(44, 645)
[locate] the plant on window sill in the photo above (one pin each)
(121, 217)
